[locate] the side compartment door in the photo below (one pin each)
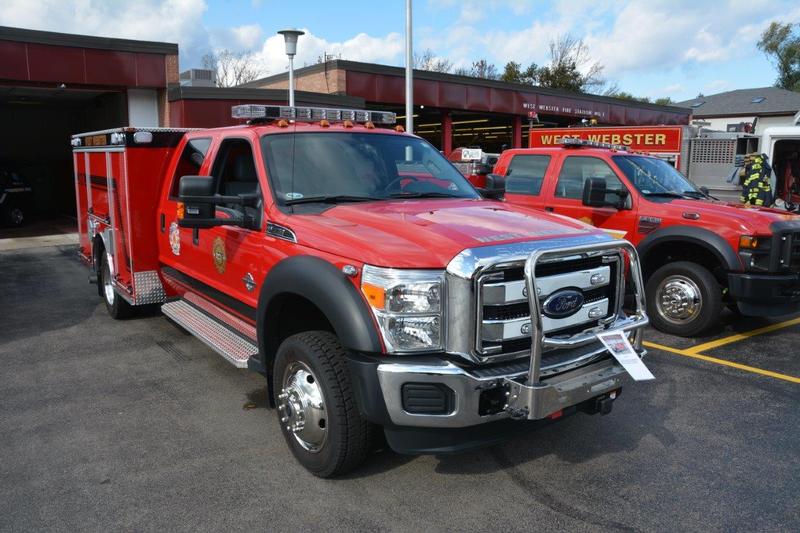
(566, 198)
(524, 179)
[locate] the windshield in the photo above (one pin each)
(340, 167)
(651, 175)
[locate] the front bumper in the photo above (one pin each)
(765, 294)
(470, 391)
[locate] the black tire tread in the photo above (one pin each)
(712, 298)
(357, 432)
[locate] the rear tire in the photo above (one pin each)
(317, 410)
(683, 299)
(117, 307)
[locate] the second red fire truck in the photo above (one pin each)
(361, 273)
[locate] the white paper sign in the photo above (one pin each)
(471, 154)
(619, 346)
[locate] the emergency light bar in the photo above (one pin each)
(574, 141)
(310, 114)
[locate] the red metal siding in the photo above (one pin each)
(42, 63)
(104, 67)
(56, 64)
(14, 64)
(150, 70)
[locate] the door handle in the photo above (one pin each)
(550, 209)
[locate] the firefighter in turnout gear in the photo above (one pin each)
(756, 186)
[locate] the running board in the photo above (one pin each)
(219, 330)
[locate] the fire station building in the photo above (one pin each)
(452, 111)
(53, 85)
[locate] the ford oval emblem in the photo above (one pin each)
(563, 303)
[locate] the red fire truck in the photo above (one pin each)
(698, 253)
(360, 272)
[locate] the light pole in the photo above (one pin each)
(409, 72)
(290, 36)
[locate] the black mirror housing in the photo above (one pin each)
(594, 192)
(200, 201)
(197, 193)
(495, 187)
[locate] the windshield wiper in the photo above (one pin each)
(667, 194)
(329, 199)
(700, 195)
(429, 194)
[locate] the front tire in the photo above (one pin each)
(683, 299)
(316, 405)
(115, 305)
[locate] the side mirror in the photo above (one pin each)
(495, 187)
(200, 201)
(594, 192)
(196, 193)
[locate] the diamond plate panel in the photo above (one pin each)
(216, 336)
(148, 288)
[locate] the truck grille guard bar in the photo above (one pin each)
(534, 398)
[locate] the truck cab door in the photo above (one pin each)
(233, 255)
(524, 179)
(566, 198)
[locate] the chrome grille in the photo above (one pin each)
(503, 321)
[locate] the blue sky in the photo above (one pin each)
(651, 48)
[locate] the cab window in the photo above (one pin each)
(526, 173)
(234, 170)
(577, 169)
(192, 157)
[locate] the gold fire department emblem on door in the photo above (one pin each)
(218, 251)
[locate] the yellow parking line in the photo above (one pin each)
(741, 336)
(687, 353)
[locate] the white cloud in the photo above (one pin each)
(310, 47)
(175, 21)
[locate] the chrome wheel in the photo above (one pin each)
(301, 406)
(108, 288)
(678, 299)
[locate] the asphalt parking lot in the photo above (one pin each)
(134, 425)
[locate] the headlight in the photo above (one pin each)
(755, 251)
(407, 305)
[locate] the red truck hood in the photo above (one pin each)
(749, 219)
(425, 233)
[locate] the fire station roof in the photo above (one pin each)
(182, 92)
(371, 68)
(85, 41)
(745, 102)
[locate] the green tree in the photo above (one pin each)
(513, 72)
(664, 101)
(781, 44)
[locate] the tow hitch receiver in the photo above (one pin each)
(533, 402)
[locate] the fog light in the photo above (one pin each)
(428, 398)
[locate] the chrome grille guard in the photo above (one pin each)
(619, 322)
(536, 398)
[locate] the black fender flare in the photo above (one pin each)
(709, 240)
(325, 286)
